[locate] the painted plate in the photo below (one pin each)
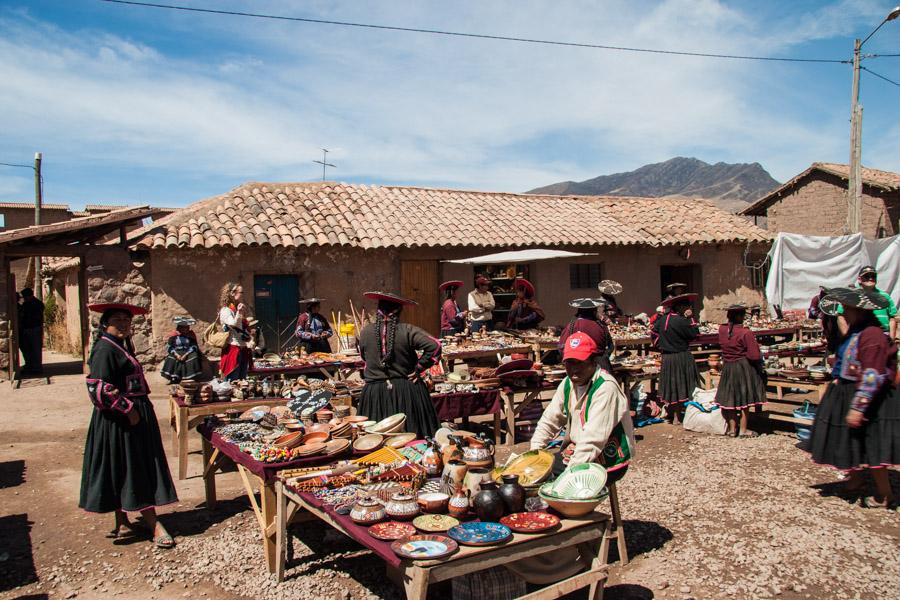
(530, 522)
(424, 547)
(389, 531)
(580, 482)
(479, 534)
(435, 523)
(532, 467)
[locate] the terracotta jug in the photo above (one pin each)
(488, 503)
(478, 453)
(458, 505)
(432, 460)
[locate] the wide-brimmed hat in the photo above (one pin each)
(736, 307)
(182, 320)
(853, 297)
(312, 300)
(608, 286)
(389, 297)
(525, 285)
(453, 283)
(672, 286)
(586, 303)
(680, 299)
(129, 308)
(252, 321)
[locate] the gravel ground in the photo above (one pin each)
(705, 517)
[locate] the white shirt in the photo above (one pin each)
(481, 305)
(233, 319)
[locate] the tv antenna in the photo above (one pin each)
(324, 162)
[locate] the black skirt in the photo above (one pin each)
(316, 346)
(741, 386)
(875, 443)
(125, 467)
(678, 377)
(176, 371)
(403, 396)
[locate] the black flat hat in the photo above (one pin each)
(855, 298)
(672, 286)
(312, 300)
(586, 303)
(608, 286)
(390, 297)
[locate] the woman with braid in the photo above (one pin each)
(396, 355)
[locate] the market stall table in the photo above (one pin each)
(591, 534)
(529, 395)
(255, 475)
(329, 369)
(462, 405)
(183, 416)
(451, 357)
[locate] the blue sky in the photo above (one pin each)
(135, 105)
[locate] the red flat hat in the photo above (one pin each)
(680, 299)
(453, 283)
(129, 308)
(525, 285)
(389, 297)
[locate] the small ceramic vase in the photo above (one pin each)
(432, 461)
(473, 481)
(478, 453)
(454, 475)
(458, 505)
(488, 503)
(402, 506)
(367, 510)
(513, 494)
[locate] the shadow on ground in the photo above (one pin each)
(18, 568)
(12, 473)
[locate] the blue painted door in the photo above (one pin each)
(275, 303)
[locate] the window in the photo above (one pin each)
(585, 276)
(2, 220)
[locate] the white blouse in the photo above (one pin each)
(233, 319)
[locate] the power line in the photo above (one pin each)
(15, 165)
(476, 35)
(880, 76)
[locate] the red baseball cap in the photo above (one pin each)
(579, 346)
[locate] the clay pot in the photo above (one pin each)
(454, 475)
(402, 506)
(458, 505)
(434, 502)
(367, 511)
(432, 460)
(488, 503)
(513, 494)
(473, 481)
(478, 453)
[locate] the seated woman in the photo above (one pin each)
(313, 328)
(524, 312)
(592, 409)
(453, 319)
(182, 353)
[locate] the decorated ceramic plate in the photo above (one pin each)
(532, 467)
(424, 547)
(530, 522)
(389, 531)
(435, 523)
(580, 482)
(479, 534)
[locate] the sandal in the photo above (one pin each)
(164, 541)
(749, 434)
(873, 502)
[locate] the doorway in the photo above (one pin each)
(419, 282)
(691, 275)
(276, 306)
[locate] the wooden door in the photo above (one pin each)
(419, 282)
(276, 306)
(690, 274)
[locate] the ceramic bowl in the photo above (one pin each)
(579, 482)
(289, 440)
(356, 419)
(433, 502)
(323, 427)
(570, 508)
(315, 436)
(294, 426)
(365, 424)
(368, 443)
(400, 440)
(390, 424)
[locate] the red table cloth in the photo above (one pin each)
(464, 404)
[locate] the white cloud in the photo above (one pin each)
(416, 108)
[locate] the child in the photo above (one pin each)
(183, 360)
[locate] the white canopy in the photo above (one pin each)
(518, 256)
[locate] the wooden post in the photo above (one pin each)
(38, 200)
(83, 312)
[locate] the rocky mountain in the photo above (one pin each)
(730, 186)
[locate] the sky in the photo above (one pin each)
(136, 105)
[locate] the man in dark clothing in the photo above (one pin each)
(31, 332)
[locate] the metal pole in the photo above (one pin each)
(38, 199)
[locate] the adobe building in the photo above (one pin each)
(815, 203)
(286, 241)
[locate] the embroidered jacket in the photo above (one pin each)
(598, 423)
(181, 344)
(116, 378)
(868, 358)
(312, 324)
(739, 343)
(672, 332)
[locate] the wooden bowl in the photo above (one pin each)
(368, 443)
(289, 440)
(315, 436)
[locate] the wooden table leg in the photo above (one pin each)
(509, 404)
(498, 425)
(182, 432)
(173, 410)
(415, 583)
(280, 531)
(209, 475)
(268, 501)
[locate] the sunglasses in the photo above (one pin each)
(868, 277)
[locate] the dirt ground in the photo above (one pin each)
(706, 517)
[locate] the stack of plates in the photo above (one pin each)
(392, 424)
(310, 449)
(335, 447)
(341, 430)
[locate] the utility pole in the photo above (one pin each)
(324, 162)
(854, 185)
(38, 199)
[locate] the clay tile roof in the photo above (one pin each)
(30, 206)
(338, 214)
(873, 178)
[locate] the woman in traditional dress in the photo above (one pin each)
(125, 468)
(396, 356)
(453, 319)
(672, 334)
(524, 312)
(235, 360)
(586, 319)
(742, 384)
(313, 328)
(182, 353)
(857, 424)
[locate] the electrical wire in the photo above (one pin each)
(880, 76)
(476, 35)
(15, 165)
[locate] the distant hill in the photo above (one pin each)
(730, 186)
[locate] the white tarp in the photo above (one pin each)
(517, 256)
(799, 264)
